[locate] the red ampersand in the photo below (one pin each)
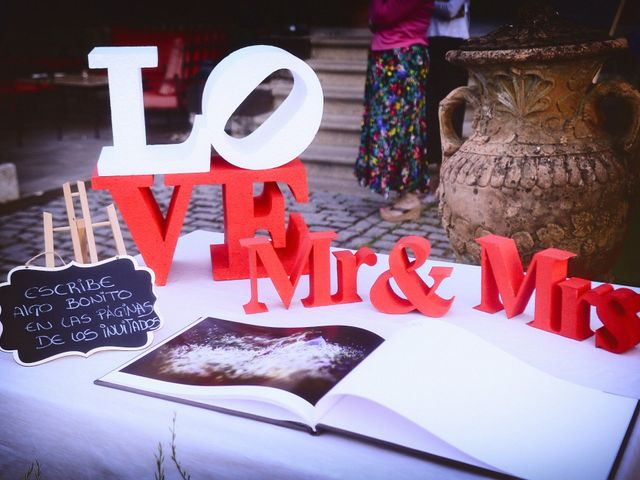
(419, 296)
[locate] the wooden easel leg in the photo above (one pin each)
(78, 226)
(47, 220)
(115, 229)
(88, 225)
(71, 215)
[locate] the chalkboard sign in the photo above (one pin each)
(77, 309)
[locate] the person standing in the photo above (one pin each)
(448, 29)
(392, 155)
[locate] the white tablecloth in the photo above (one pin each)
(53, 413)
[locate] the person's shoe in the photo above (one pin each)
(397, 214)
(407, 201)
(408, 207)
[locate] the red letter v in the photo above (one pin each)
(155, 235)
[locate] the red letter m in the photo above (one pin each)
(505, 285)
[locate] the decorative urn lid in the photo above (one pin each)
(538, 34)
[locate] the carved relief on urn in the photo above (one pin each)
(539, 167)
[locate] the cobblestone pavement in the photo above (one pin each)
(352, 216)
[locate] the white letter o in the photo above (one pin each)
(290, 128)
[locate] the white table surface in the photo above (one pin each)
(53, 413)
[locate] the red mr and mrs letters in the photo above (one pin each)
(562, 305)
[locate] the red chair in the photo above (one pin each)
(170, 91)
(180, 54)
(162, 86)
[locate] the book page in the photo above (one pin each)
(215, 362)
(255, 401)
(373, 420)
(483, 402)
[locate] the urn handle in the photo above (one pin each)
(628, 140)
(450, 139)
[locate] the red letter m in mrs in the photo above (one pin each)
(505, 285)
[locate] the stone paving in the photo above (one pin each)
(353, 216)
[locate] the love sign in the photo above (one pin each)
(280, 139)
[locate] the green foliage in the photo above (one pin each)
(183, 473)
(160, 474)
(34, 470)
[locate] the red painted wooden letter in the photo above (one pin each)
(244, 215)
(261, 247)
(348, 265)
(155, 235)
(575, 309)
(320, 272)
(505, 285)
(314, 252)
(618, 311)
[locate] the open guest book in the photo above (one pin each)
(430, 388)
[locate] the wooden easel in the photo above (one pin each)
(81, 229)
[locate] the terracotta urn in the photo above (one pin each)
(541, 165)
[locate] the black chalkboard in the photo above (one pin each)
(76, 309)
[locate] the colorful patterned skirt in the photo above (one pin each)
(392, 155)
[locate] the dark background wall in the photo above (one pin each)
(67, 29)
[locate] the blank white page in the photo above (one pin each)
(487, 404)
